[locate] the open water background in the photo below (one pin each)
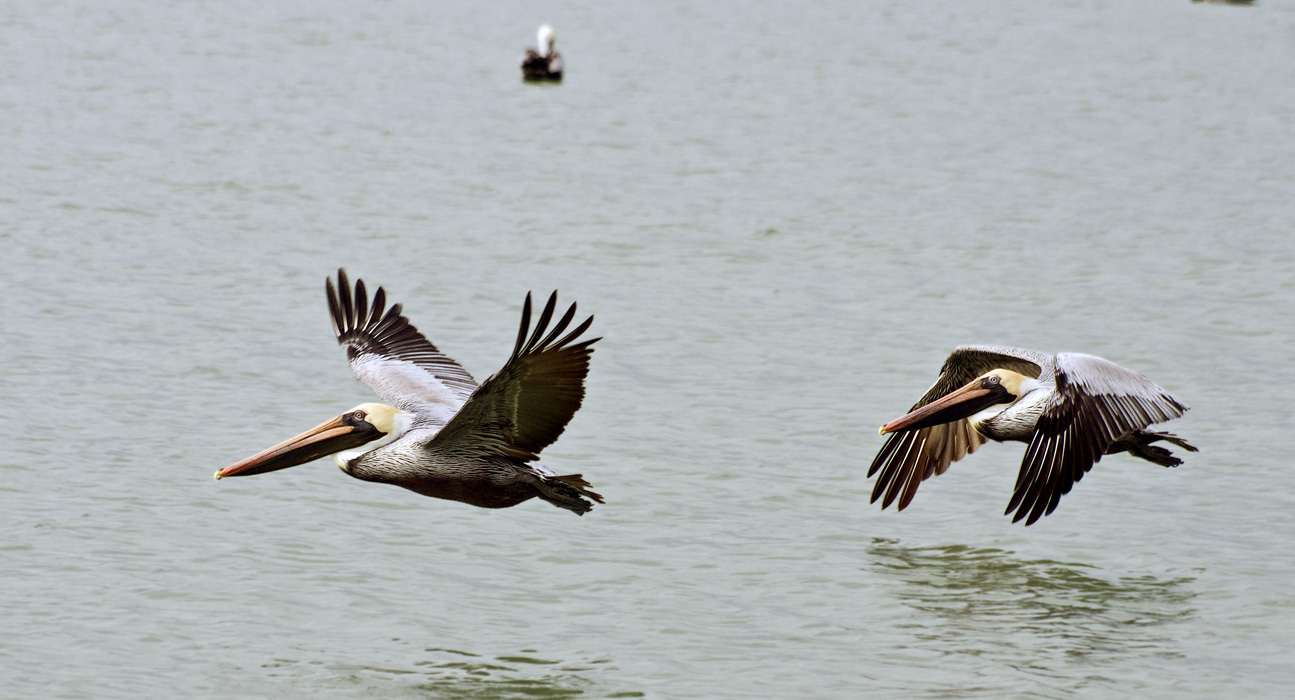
(783, 216)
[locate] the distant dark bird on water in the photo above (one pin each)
(1070, 408)
(542, 63)
(443, 435)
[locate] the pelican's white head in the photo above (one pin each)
(985, 396)
(545, 38)
(369, 425)
(390, 421)
(1015, 383)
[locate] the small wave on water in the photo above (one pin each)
(452, 673)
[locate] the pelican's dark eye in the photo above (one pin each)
(358, 415)
(992, 379)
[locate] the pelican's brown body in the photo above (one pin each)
(484, 483)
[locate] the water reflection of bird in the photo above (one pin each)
(443, 435)
(1070, 408)
(542, 62)
(995, 605)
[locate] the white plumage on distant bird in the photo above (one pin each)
(543, 62)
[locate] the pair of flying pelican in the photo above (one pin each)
(441, 434)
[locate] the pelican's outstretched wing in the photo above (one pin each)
(527, 404)
(910, 457)
(1096, 403)
(390, 356)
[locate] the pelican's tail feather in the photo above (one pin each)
(1138, 443)
(1168, 437)
(569, 491)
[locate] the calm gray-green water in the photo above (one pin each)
(783, 217)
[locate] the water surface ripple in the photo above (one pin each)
(783, 219)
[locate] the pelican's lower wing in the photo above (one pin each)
(908, 458)
(1096, 403)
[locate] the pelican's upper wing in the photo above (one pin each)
(1096, 403)
(389, 355)
(910, 457)
(527, 404)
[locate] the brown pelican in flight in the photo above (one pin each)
(542, 63)
(439, 433)
(1070, 408)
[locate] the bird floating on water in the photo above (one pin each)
(542, 63)
(439, 433)
(1070, 408)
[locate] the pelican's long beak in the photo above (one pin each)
(340, 433)
(967, 401)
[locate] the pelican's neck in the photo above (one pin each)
(400, 424)
(544, 41)
(1027, 387)
(1016, 420)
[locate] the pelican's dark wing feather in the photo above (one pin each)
(910, 457)
(527, 404)
(389, 355)
(1096, 403)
